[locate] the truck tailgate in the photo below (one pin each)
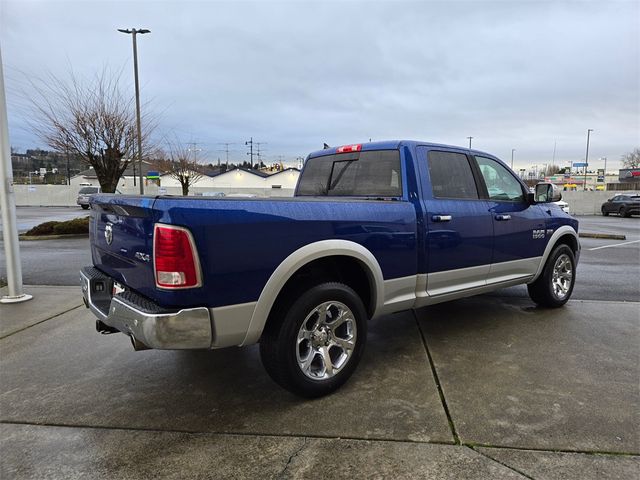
(121, 232)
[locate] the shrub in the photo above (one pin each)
(45, 228)
(70, 227)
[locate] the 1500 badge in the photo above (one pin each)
(538, 233)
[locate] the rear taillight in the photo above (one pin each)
(349, 148)
(175, 258)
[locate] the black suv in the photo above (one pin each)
(624, 205)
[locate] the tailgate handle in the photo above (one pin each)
(441, 218)
(503, 217)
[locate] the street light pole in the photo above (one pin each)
(512, 150)
(586, 158)
(8, 209)
(133, 32)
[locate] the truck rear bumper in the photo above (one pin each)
(142, 319)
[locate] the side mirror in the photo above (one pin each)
(547, 192)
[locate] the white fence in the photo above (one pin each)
(580, 202)
(64, 195)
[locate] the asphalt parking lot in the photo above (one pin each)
(486, 387)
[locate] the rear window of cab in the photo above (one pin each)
(356, 174)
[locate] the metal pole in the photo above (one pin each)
(512, 150)
(586, 158)
(68, 172)
(135, 73)
(8, 208)
(469, 142)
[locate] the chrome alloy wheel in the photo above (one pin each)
(562, 276)
(326, 340)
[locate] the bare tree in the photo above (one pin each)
(551, 170)
(179, 164)
(92, 118)
(632, 159)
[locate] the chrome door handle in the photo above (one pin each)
(441, 218)
(503, 217)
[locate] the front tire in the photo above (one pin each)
(85, 207)
(554, 286)
(312, 345)
(604, 212)
(623, 212)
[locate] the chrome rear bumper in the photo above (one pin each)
(146, 322)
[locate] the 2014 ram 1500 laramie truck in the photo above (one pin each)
(372, 229)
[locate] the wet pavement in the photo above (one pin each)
(485, 387)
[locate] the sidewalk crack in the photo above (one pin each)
(39, 322)
(513, 469)
(292, 456)
(443, 400)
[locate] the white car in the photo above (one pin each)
(563, 205)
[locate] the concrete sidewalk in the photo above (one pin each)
(479, 388)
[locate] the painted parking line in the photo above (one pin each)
(614, 245)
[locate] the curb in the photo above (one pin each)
(29, 238)
(607, 236)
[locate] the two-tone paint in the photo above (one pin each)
(415, 249)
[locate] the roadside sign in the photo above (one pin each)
(580, 164)
(601, 175)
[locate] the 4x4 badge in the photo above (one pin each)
(108, 233)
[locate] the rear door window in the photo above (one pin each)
(451, 176)
(371, 174)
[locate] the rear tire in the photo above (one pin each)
(85, 207)
(554, 286)
(312, 345)
(623, 212)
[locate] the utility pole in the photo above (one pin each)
(258, 153)
(586, 158)
(469, 142)
(68, 172)
(195, 150)
(250, 143)
(8, 209)
(512, 150)
(226, 150)
(133, 32)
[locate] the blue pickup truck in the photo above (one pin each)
(372, 229)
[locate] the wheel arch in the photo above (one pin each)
(326, 256)
(564, 235)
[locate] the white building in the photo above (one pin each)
(240, 179)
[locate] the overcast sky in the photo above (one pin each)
(512, 74)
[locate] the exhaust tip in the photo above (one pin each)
(137, 344)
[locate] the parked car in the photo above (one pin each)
(625, 205)
(563, 205)
(83, 196)
(372, 229)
